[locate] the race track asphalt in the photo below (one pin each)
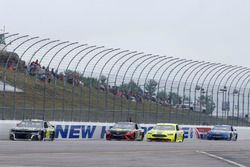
(190, 153)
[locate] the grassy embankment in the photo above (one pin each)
(65, 102)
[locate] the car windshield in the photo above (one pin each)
(124, 126)
(164, 127)
(31, 124)
(225, 128)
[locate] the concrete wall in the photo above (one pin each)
(96, 131)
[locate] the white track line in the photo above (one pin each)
(222, 159)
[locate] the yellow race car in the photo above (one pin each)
(165, 132)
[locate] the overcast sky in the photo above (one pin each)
(211, 30)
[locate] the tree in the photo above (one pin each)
(88, 81)
(174, 98)
(131, 87)
(162, 95)
(208, 102)
(2, 39)
(72, 77)
(170, 97)
(103, 79)
(12, 59)
(150, 87)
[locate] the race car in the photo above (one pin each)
(165, 132)
(222, 132)
(33, 130)
(125, 131)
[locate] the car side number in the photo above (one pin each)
(137, 134)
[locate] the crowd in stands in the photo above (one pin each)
(43, 74)
(46, 74)
(132, 96)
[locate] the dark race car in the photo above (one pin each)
(222, 132)
(125, 131)
(33, 130)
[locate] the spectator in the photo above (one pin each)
(41, 73)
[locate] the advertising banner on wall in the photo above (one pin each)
(96, 131)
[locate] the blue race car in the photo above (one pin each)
(222, 132)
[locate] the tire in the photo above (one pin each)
(11, 137)
(134, 136)
(41, 135)
(142, 137)
(183, 137)
(230, 138)
(52, 136)
(175, 137)
(149, 140)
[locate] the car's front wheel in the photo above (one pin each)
(149, 140)
(11, 137)
(230, 137)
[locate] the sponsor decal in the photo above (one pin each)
(146, 129)
(186, 132)
(201, 132)
(75, 131)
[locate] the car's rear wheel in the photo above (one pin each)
(142, 137)
(183, 137)
(41, 135)
(52, 136)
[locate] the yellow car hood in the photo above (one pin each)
(161, 131)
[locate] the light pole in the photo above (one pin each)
(202, 100)
(235, 92)
(197, 88)
(224, 105)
